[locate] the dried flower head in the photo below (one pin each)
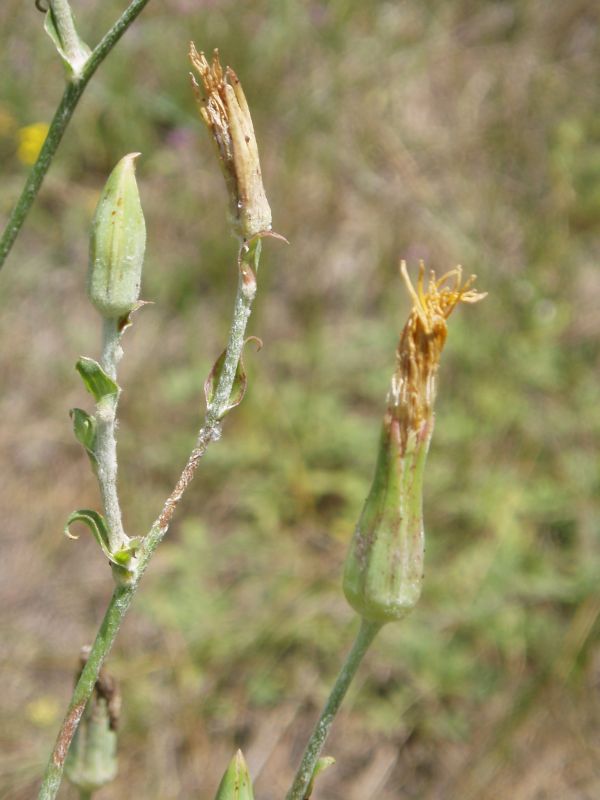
(224, 109)
(383, 574)
(412, 391)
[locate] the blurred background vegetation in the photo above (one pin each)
(454, 131)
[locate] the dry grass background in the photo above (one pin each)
(451, 131)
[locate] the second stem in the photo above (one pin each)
(364, 638)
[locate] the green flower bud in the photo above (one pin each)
(383, 573)
(92, 759)
(236, 783)
(117, 244)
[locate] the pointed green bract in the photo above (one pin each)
(117, 244)
(84, 428)
(97, 382)
(238, 390)
(322, 764)
(236, 783)
(60, 27)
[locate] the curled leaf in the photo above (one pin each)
(97, 524)
(257, 340)
(97, 382)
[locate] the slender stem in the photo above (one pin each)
(366, 634)
(85, 795)
(106, 443)
(73, 91)
(123, 595)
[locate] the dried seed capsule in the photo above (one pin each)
(384, 569)
(225, 111)
(117, 244)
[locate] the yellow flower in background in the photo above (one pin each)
(43, 712)
(31, 138)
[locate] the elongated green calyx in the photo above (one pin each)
(236, 783)
(117, 244)
(92, 759)
(384, 569)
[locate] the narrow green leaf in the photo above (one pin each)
(84, 428)
(321, 766)
(238, 390)
(97, 382)
(97, 525)
(75, 52)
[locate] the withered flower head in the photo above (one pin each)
(224, 109)
(412, 391)
(383, 574)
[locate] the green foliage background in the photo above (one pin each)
(453, 131)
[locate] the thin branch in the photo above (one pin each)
(106, 443)
(364, 638)
(123, 595)
(73, 91)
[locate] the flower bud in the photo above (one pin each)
(92, 759)
(383, 573)
(236, 783)
(225, 111)
(117, 244)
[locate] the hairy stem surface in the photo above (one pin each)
(73, 91)
(123, 595)
(364, 638)
(106, 444)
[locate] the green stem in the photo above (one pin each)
(123, 595)
(73, 91)
(366, 634)
(111, 623)
(106, 443)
